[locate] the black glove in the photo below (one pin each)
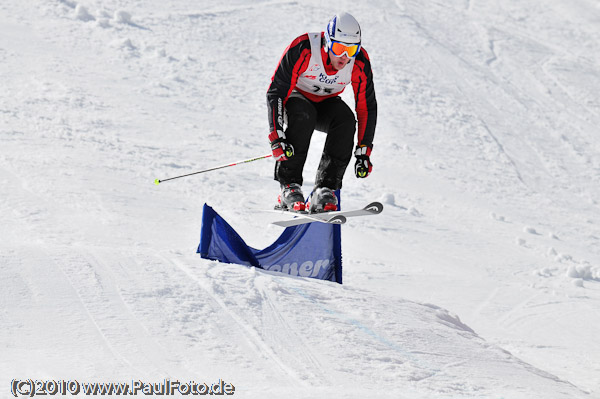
(363, 165)
(282, 150)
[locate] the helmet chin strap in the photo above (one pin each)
(328, 61)
(324, 44)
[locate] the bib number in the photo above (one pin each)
(321, 89)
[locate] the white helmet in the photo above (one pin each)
(343, 28)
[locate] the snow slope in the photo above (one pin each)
(481, 279)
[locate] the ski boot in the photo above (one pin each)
(323, 199)
(291, 198)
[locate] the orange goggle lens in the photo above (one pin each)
(338, 49)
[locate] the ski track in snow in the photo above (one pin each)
(480, 280)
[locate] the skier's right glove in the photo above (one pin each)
(363, 165)
(282, 150)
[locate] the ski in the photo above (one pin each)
(334, 217)
(305, 217)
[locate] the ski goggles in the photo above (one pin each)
(338, 49)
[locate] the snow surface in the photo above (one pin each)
(481, 279)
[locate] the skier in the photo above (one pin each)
(304, 94)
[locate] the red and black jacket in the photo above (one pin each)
(295, 61)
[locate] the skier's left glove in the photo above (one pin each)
(282, 150)
(363, 165)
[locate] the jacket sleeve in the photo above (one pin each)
(294, 61)
(364, 96)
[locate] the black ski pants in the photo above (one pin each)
(332, 116)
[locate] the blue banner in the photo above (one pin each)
(308, 250)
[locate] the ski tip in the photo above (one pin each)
(374, 208)
(337, 219)
(157, 182)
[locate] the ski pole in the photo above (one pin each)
(158, 181)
